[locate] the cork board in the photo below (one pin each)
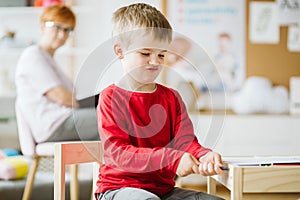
(273, 61)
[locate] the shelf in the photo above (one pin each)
(29, 10)
(63, 51)
(20, 10)
(10, 51)
(230, 113)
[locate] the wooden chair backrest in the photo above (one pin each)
(72, 153)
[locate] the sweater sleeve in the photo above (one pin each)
(120, 153)
(185, 139)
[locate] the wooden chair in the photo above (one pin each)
(70, 153)
(36, 151)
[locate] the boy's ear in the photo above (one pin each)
(118, 51)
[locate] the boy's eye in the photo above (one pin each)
(161, 55)
(148, 54)
(145, 54)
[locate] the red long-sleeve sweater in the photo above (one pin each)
(144, 136)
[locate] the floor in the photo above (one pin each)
(224, 193)
(43, 184)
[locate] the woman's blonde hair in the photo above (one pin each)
(140, 17)
(58, 13)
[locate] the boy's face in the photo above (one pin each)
(143, 59)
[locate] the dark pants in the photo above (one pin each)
(140, 194)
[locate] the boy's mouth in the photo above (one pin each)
(152, 68)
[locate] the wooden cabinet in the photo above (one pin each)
(257, 179)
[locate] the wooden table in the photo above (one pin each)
(257, 179)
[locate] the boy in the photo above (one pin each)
(145, 130)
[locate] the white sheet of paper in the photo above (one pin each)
(288, 11)
(263, 23)
(262, 160)
(294, 38)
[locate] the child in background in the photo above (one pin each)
(145, 129)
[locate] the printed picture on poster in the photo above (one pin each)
(209, 43)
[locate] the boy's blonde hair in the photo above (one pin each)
(142, 18)
(58, 13)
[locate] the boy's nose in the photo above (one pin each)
(154, 60)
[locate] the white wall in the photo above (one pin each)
(249, 135)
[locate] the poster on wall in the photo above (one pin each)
(264, 27)
(289, 12)
(294, 38)
(218, 27)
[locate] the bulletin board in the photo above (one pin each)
(273, 61)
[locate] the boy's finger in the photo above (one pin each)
(197, 162)
(210, 168)
(218, 169)
(196, 169)
(218, 159)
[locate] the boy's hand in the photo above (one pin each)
(210, 164)
(188, 164)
